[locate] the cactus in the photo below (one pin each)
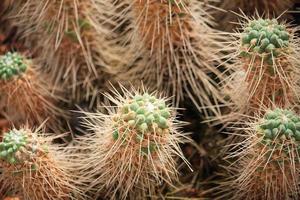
(265, 64)
(268, 162)
(26, 96)
(133, 147)
(171, 47)
(229, 20)
(33, 168)
(68, 36)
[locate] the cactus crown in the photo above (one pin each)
(11, 64)
(12, 142)
(281, 124)
(142, 115)
(145, 113)
(265, 36)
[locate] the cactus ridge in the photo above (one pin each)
(281, 124)
(265, 36)
(12, 143)
(11, 64)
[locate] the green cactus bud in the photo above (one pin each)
(11, 64)
(142, 115)
(280, 124)
(265, 36)
(12, 142)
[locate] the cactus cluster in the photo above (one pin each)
(131, 146)
(280, 124)
(11, 145)
(265, 37)
(11, 64)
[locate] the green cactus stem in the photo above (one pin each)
(11, 64)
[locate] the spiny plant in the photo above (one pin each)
(228, 21)
(26, 96)
(264, 63)
(35, 169)
(171, 47)
(133, 148)
(267, 160)
(69, 37)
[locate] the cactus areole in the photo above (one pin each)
(11, 64)
(265, 37)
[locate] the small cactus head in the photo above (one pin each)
(142, 115)
(12, 144)
(280, 124)
(265, 37)
(11, 64)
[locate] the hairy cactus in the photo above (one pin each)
(26, 96)
(133, 148)
(229, 20)
(265, 66)
(171, 47)
(268, 163)
(69, 37)
(31, 167)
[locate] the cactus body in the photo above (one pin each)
(26, 96)
(268, 164)
(133, 148)
(32, 168)
(171, 47)
(69, 40)
(265, 64)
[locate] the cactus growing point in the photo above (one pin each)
(11, 64)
